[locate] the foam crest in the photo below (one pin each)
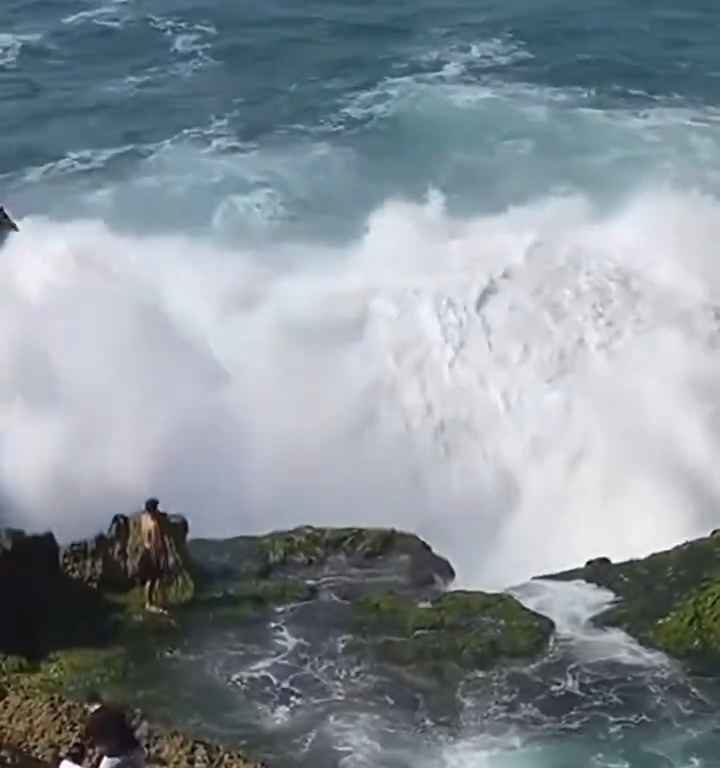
(526, 390)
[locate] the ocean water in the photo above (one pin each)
(446, 266)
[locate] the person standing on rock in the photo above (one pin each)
(110, 733)
(154, 557)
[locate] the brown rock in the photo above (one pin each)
(34, 724)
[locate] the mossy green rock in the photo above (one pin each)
(669, 600)
(308, 545)
(693, 627)
(250, 598)
(300, 552)
(458, 632)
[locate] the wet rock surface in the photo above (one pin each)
(293, 621)
(669, 600)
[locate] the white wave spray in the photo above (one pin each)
(526, 389)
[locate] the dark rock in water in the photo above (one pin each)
(7, 225)
(310, 546)
(112, 561)
(454, 634)
(29, 576)
(310, 551)
(670, 600)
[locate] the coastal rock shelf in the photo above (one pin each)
(377, 596)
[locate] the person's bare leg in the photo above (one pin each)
(150, 605)
(148, 595)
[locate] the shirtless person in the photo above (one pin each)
(154, 556)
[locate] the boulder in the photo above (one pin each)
(112, 562)
(310, 546)
(29, 580)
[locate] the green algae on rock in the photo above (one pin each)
(308, 547)
(248, 599)
(456, 633)
(669, 600)
(692, 628)
(74, 670)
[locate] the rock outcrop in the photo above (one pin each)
(669, 600)
(307, 551)
(29, 582)
(112, 561)
(309, 546)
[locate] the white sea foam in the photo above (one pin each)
(11, 45)
(572, 606)
(527, 389)
(114, 14)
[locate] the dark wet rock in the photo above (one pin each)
(669, 600)
(7, 225)
(29, 575)
(309, 552)
(112, 561)
(310, 546)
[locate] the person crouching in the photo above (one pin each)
(108, 730)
